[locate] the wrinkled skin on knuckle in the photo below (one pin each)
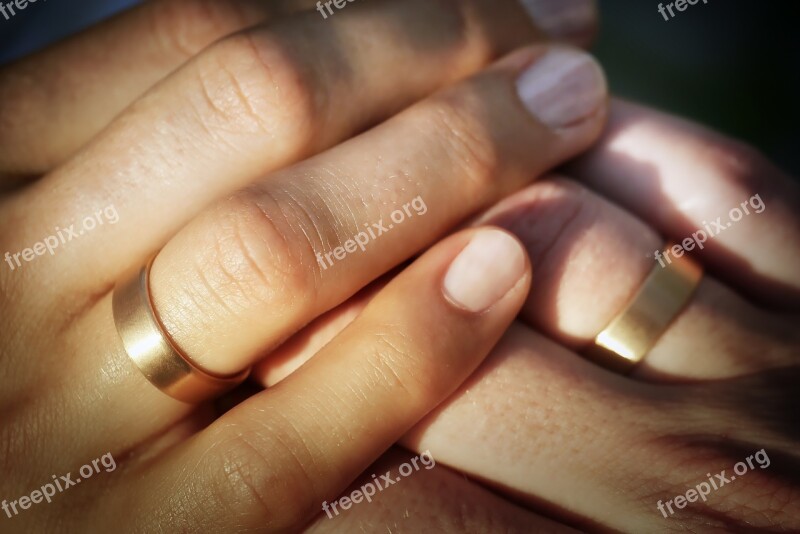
(239, 474)
(764, 496)
(311, 214)
(396, 364)
(256, 260)
(263, 470)
(334, 212)
(184, 27)
(250, 87)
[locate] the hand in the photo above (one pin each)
(430, 498)
(716, 396)
(244, 274)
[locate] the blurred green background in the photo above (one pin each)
(731, 64)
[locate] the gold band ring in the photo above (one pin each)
(631, 334)
(153, 351)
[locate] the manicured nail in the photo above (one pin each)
(563, 87)
(488, 268)
(562, 19)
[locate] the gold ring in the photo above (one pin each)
(153, 351)
(631, 334)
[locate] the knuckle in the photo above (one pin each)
(466, 138)
(557, 209)
(254, 471)
(16, 438)
(740, 163)
(562, 207)
(185, 27)
(395, 366)
(250, 88)
(257, 253)
(310, 218)
(721, 483)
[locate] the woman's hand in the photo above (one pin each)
(255, 265)
(718, 392)
(272, 460)
(350, 70)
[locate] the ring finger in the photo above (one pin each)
(566, 227)
(274, 459)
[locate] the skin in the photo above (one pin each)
(678, 416)
(271, 461)
(267, 461)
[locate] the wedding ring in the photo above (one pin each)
(632, 333)
(154, 352)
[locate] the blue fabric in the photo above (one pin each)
(47, 21)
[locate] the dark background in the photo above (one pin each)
(731, 64)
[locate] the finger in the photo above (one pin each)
(711, 194)
(274, 459)
(431, 495)
(564, 228)
(248, 105)
(269, 260)
(578, 242)
(577, 418)
(298, 349)
(68, 92)
(264, 279)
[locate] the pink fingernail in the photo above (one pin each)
(488, 268)
(562, 19)
(563, 87)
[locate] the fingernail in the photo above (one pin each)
(488, 267)
(563, 87)
(562, 19)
